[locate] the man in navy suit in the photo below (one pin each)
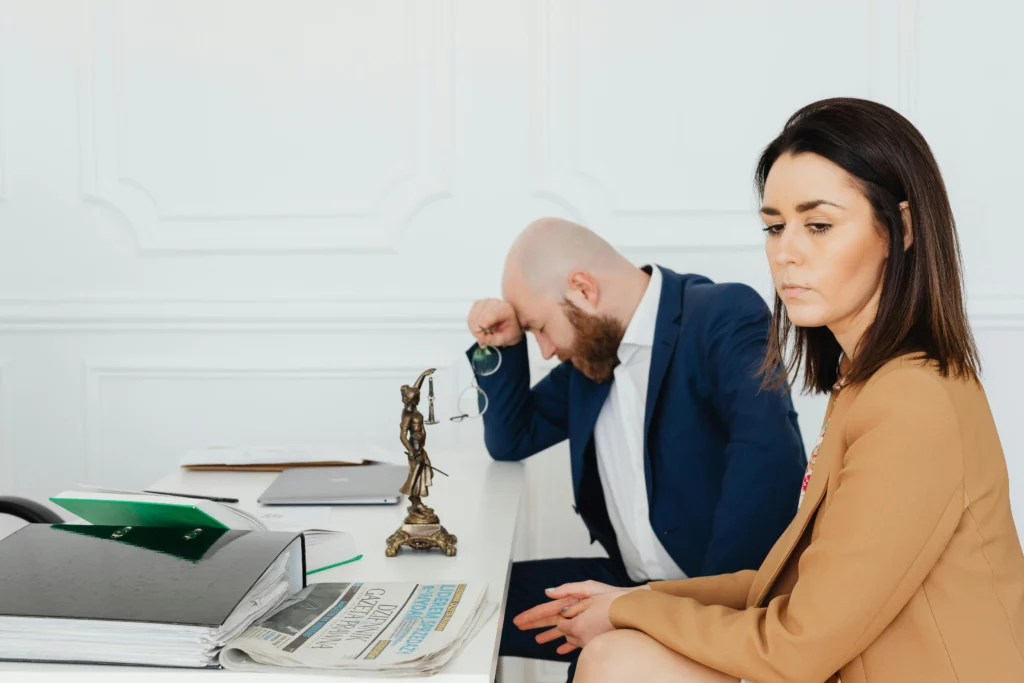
(682, 464)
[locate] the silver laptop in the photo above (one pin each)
(354, 485)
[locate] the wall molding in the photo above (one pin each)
(555, 66)
(3, 185)
(997, 312)
(908, 58)
(3, 162)
(348, 226)
(155, 314)
(555, 147)
(98, 374)
(314, 314)
(887, 42)
(7, 463)
(3, 148)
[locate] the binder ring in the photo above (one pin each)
(121, 532)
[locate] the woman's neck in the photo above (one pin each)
(850, 330)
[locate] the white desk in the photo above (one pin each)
(479, 503)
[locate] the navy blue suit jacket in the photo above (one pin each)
(723, 459)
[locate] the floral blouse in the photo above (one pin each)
(817, 444)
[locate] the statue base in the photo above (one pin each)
(421, 537)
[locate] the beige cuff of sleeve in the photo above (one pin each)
(627, 611)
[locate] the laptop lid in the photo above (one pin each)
(376, 484)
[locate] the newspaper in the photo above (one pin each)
(390, 629)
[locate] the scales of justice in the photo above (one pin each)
(422, 528)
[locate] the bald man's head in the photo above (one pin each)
(550, 249)
(573, 291)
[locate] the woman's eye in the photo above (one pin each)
(819, 227)
(774, 229)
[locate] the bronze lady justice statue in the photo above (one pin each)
(422, 528)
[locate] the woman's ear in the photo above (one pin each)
(908, 225)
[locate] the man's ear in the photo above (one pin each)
(908, 225)
(583, 289)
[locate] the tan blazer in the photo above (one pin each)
(902, 565)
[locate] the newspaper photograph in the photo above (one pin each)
(389, 628)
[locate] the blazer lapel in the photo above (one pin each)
(666, 333)
(590, 397)
(783, 548)
(816, 489)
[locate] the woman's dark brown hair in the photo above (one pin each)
(922, 301)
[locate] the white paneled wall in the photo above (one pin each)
(231, 221)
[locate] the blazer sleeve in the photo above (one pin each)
(729, 590)
(520, 421)
(898, 500)
(764, 459)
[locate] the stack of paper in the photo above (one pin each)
(79, 593)
(388, 629)
(329, 549)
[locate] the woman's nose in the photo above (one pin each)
(786, 247)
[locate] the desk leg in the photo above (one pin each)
(515, 670)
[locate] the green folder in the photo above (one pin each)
(191, 546)
(114, 509)
(140, 511)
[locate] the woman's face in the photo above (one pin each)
(826, 254)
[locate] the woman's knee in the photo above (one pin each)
(631, 655)
(608, 656)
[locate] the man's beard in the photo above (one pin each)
(595, 352)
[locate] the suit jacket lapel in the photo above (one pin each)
(590, 397)
(666, 333)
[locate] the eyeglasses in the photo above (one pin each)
(473, 400)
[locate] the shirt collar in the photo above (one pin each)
(640, 331)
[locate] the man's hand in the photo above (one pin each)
(494, 322)
(550, 614)
(582, 589)
(588, 618)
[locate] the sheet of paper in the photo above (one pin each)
(327, 550)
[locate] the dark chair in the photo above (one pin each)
(28, 510)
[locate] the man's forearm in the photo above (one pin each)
(520, 421)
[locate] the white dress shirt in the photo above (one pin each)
(619, 441)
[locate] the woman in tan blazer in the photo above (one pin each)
(903, 563)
